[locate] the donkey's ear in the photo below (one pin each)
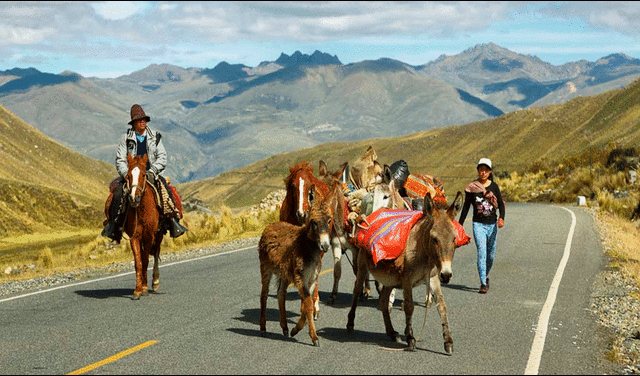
(455, 207)
(322, 168)
(428, 207)
(386, 174)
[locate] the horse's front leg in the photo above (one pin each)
(156, 262)
(434, 285)
(337, 268)
(137, 262)
(407, 303)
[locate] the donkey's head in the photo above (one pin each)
(442, 235)
(136, 178)
(320, 222)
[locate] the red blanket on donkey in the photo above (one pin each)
(387, 233)
(388, 230)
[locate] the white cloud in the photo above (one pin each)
(117, 10)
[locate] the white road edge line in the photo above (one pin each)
(543, 321)
(121, 274)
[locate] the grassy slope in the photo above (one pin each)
(513, 141)
(45, 187)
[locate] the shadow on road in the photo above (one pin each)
(106, 293)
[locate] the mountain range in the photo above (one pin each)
(219, 119)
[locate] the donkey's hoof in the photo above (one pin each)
(155, 286)
(349, 328)
(411, 345)
(294, 331)
(316, 343)
(331, 300)
(136, 296)
(263, 333)
(448, 348)
(285, 332)
(315, 316)
(145, 293)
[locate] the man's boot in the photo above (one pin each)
(175, 228)
(113, 230)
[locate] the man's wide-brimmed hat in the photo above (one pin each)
(138, 113)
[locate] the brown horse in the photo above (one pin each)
(430, 244)
(299, 198)
(142, 224)
(294, 254)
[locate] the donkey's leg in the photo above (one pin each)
(282, 295)
(407, 302)
(434, 284)
(266, 280)
(137, 262)
(306, 313)
(337, 268)
(357, 290)
(386, 308)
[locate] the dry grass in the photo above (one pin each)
(204, 230)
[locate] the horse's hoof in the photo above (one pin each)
(294, 331)
(316, 343)
(448, 348)
(136, 296)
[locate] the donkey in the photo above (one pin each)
(430, 244)
(294, 254)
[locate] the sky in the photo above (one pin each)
(109, 39)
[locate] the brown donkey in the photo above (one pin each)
(294, 254)
(430, 244)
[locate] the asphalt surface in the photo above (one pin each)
(205, 317)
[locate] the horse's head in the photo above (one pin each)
(136, 178)
(442, 235)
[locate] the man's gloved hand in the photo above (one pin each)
(151, 176)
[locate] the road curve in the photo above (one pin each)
(205, 317)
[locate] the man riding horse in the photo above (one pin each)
(140, 140)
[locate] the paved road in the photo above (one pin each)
(204, 319)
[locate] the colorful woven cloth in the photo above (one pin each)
(418, 185)
(477, 187)
(387, 233)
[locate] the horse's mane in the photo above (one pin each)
(293, 171)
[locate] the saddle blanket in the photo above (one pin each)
(387, 233)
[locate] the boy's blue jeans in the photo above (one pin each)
(485, 238)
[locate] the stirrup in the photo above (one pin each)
(175, 228)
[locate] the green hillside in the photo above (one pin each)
(514, 142)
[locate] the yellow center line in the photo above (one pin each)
(112, 358)
(132, 350)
